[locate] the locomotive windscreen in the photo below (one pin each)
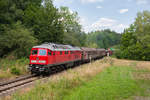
(42, 52)
(34, 52)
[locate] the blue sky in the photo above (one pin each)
(102, 14)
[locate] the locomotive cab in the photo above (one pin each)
(38, 56)
(38, 59)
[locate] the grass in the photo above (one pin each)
(115, 83)
(61, 84)
(12, 67)
(94, 81)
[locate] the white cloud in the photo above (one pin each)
(139, 2)
(121, 11)
(63, 2)
(91, 1)
(99, 7)
(102, 23)
(82, 20)
(120, 27)
(85, 23)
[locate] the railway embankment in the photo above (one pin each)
(105, 79)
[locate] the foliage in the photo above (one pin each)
(45, 22)
(14, 36)
(15, 71)
(17, 39)
(103, 39)
(12, 11)
(24, 23)
(73, 34)
(135, 42)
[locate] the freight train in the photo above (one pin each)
(48, 57)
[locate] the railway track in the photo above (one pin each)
(8, 87)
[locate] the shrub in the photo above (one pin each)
(15, 71)
(118, 54)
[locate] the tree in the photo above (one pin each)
(38, 21)
(12, 11)
(45, 22)
(18, 40)
(14, 36)
(73, 34)
(135, 42)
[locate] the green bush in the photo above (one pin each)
(117, 54)
(15, 71)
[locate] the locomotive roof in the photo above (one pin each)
(57, 47)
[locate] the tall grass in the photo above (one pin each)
(90, 82)
(115, 83)
(12, 67)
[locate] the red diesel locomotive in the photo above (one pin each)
(47, 57)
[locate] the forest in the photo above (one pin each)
(25, 23)
(103, 39)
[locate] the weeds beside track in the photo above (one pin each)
(8, 87)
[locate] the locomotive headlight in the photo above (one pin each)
(33, 61)
(42, 61)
